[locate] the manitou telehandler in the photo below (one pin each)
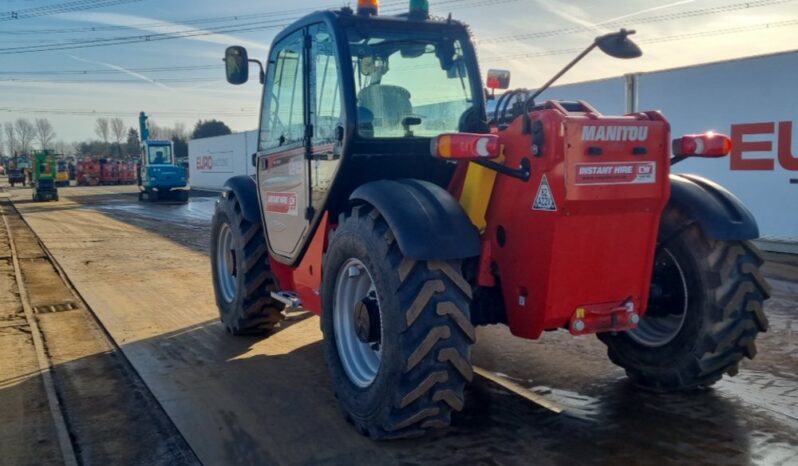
(386, 201)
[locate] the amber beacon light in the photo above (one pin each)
(368, 7)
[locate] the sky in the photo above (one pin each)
(60, 78)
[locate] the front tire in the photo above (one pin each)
(397, 332)
(242, 277)
(704, 313)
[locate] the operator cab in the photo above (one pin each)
(366, 92)
(158, 153)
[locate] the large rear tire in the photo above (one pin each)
(397, 332)
(704, 313)
(242, 276)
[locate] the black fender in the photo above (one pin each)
(428, 223)
(719, 213)
(246, 191)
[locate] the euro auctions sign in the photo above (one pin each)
(753, 146)
(205, 162)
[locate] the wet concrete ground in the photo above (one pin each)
(750, 419)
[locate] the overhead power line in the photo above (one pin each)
(229, 113)
(544, 53)
(388, 7)
(169, 69)
(117, 81)
(162, 24)
(58, 8)
(244, 27)
(634, 22)
(657, 40)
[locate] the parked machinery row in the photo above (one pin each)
(94, 172)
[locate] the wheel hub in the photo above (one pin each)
(357, 323)
(230, 258)
(667, 306)
(367, 320)
(226, 272)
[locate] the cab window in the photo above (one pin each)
(326, 95)
(160, 155)
(283, 121)
(409, 85)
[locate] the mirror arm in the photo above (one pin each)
(530, 101)
(563, 71)
(262, 71)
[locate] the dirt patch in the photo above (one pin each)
(27, 435)
(111, 416)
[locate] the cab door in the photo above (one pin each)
(326, 116)
(282, 173)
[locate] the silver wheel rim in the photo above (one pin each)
(226, 271)
(655, 331)
(361, 361)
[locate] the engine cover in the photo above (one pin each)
(574, 245)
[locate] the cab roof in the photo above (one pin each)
(346, 16)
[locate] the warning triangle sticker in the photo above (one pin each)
(545, 198)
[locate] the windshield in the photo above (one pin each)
(409, 86)
(160, 155)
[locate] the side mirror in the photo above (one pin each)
(618, 45)
(498, 79)
(236, 63)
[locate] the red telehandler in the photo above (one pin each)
(388, 202)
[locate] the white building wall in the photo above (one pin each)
(212, 161)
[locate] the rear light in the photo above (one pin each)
(368, 7)
(702, 145)
(466, 146)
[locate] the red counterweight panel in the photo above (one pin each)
(580, 236)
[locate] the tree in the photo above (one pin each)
(178, 131)
(181, 147)
(132, 144)
(44, 133)
(156, 132)
(26, 132)
(102, 128)
(91, 148)
(118, 130)
(63, 148)
(11, 139)
(209, 129)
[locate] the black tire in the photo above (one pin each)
(722, 310)
(251, 310)
(153, 195)
(182, 195)
(426, 333)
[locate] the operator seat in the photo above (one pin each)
(389, 104)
